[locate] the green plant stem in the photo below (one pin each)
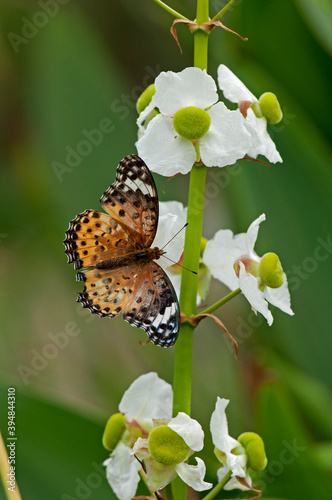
(168, 493)
(223, 11)
(188, 294)
(201, 37)
(221, 302)
(212, 493)
(171, 11)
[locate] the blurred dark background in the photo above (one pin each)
(71, 67)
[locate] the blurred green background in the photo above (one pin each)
(67, 68)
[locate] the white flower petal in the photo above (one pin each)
(233, 483)
(141, 448)
(220, 254)
(163, 150)
(175, 208)
(252, 235)
(190, 87)
(172, 217)
(148, 397)
(279, 297)
(193, 475)
(122, 472)
(237, 464)
(249, 287)
(261, 142)
(232, 87)
(189, 429)
(227, 139)
(219, 428)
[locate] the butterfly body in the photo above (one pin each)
(142, 255)
(118, 265)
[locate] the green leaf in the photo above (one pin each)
(292, 466)
(318, 16)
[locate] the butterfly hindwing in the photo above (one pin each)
(132, 200)
(154, 306)
(106, 292)
(143, 293)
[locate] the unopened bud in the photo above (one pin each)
(255, 451)
(145, 98)
(114, 430)
(270, 108)
(271, 271)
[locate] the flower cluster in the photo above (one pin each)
(145, 432)
(231, 259)
(143, 435)
(182, 122)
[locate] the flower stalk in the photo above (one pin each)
(221, 302)
(223, 11)
(171, 11)
(219, 486)
(188, 294)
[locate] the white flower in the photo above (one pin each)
(224, 250)
(235, 91)
(164, 150)
(172, 217)
(159, 473)
(122, 472)
(147, 398)
(236, 463)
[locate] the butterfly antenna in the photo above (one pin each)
(180, 265)
(176, 263)
(175, 235)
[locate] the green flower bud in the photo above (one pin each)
(145, 98)
(271, 271)
(270, 108)
(114, 430)
(191, 123)
(203, 245)
(255, 451)
(167, 447)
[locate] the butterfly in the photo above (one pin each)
(118, 265)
